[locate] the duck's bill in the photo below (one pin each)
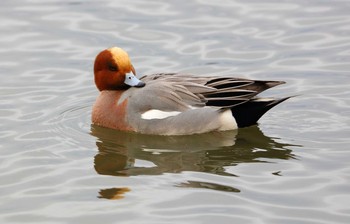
(131, 80)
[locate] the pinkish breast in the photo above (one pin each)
(108, 112)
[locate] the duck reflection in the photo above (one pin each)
(113, 193)
(129, 154)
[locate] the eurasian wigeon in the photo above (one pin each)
(174, 103)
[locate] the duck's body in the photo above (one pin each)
(174, 104)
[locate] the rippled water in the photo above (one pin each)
(55, 167)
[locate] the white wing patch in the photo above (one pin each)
(158, 114)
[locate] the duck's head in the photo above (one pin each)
(113, 70)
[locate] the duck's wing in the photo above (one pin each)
(231, 92)
(181, 104)
(189, 90)
(170, 93)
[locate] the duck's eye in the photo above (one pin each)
(112, 67)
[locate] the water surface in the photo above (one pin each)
(56, 167)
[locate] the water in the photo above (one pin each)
(57, 168)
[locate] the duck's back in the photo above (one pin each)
(175, 104)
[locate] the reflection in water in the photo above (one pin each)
(129, 154)
(113, 193)
(207, 185)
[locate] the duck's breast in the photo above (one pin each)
(110, 111)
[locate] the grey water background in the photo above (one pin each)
(55, 167)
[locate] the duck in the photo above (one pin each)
(174, 103)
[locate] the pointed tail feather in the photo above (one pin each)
(249, 113)
(271, 84)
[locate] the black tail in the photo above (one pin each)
(249, 113)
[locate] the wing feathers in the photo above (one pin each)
(232, 93)
(182, 91)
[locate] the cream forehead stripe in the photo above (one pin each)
(121, 58)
